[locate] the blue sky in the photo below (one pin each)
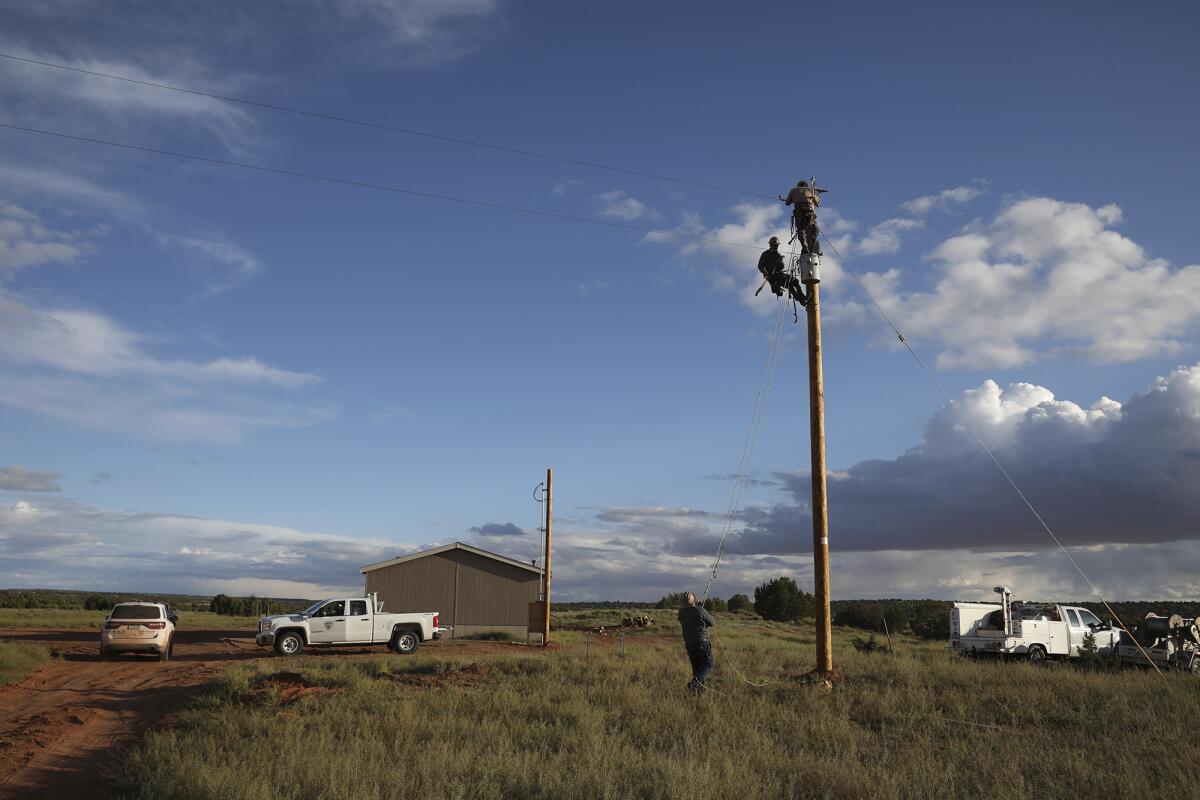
(215, 379)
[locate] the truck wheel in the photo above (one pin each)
(165, 655)
(1037, 655)
(103, 654)
(405, 642)
(289, 644)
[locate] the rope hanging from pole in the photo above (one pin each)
(739, 483)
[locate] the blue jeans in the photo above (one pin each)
(700, 654)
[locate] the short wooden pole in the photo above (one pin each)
(549, 521)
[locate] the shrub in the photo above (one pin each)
(98, 602)
(782, 600)
(715, 604)
(739, 602)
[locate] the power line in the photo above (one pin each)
(519, 209)
(383, 187)
(386, 127)
(983, 445)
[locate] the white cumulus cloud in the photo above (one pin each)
(729, 255)
(885, 238)
(1043, 277)
(618, 205)
(946, 198)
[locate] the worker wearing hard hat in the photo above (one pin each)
(804, 200)
(770, 264)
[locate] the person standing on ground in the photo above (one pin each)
(695, 622)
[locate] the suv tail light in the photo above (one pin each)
(155, 626)
(436, 620)
(113, 625)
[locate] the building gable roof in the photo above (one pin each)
(447, 547)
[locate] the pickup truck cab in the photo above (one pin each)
(1033, 631)
(347, 620)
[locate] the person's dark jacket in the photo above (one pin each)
(770, 263)
(695, 622)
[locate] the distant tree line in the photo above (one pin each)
(253, 606)
(925, 619)
(590, 605)
(104, 601)
(89, 601)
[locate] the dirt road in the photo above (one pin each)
(61, 728)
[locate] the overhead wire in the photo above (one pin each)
(458, 140)
(756, 418)
(764, 390)
(538, 212)
(383, 187)
(986, 449)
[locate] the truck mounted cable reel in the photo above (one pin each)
(1172, 641)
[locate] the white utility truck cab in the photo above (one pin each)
(1038, 632)
(347, 620)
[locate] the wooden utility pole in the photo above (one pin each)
(549, 518)
(820, 505)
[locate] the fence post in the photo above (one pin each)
(586, 640)
(622, 645)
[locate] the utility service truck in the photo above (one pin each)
(1037, 632)
(354, 621)
(1041, 632)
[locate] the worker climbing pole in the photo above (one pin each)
(804, 198)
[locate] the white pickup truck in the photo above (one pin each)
(1034, 631)
(352, 620)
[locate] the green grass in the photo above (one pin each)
(18, 660)
(525, 723)
(68, 618)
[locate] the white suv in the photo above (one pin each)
(139, 627)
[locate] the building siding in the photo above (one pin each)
(473, 593)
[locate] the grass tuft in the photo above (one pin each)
(20, 659)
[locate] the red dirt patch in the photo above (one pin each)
(465, 674)
(286, 688)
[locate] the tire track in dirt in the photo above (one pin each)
(62, 728)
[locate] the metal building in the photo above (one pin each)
(473, 590)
